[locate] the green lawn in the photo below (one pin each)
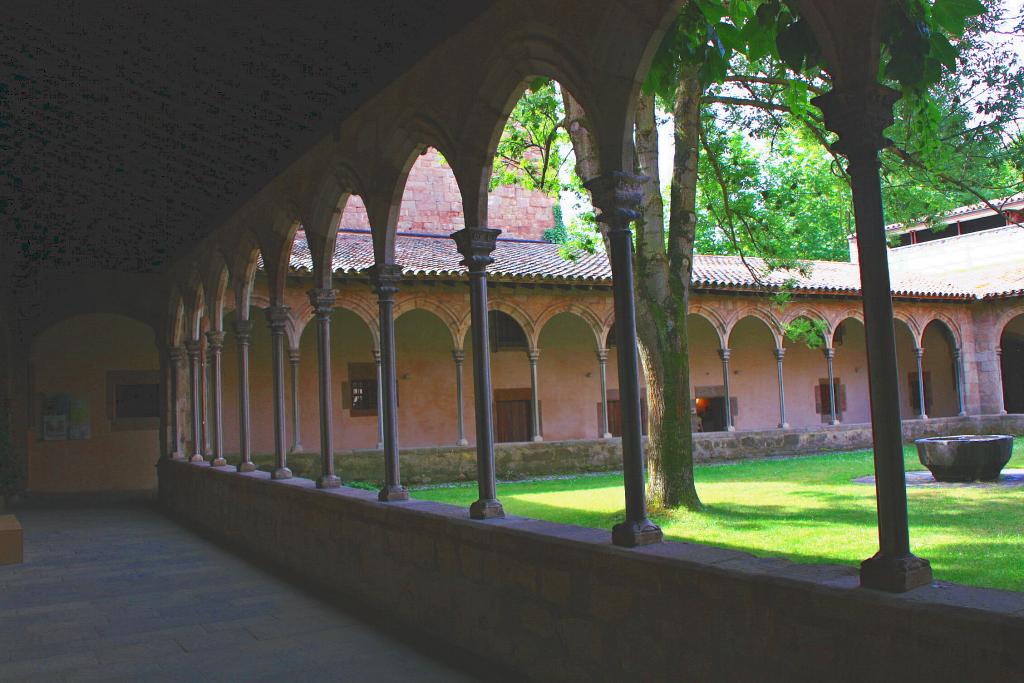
(807, 509)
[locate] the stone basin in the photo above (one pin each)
(969, 457)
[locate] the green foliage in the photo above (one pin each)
(532, 149)
(812, 333)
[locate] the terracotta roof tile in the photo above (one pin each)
(436, 256)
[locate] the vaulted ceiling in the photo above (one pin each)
(129, 129)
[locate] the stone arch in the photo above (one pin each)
(215, 285)
(595, 324)
(516, 313)
(848, 314)
(365, 314)
(176, 319)
(1006, 317)
(952, 328)
(442, 312)
(714, 319)
(810, 313)
(766, 317)
(275, 235)
(195, 305)
(243, 260)
(915, 329)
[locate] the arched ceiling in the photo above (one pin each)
(129, 129)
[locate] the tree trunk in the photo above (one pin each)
(663, 271)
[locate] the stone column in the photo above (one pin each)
(215, 343)
(533, 355)
(243, 335)
(380, 393)
(617, 196)
(177, 355)
(724, 355)
(322, 301)
(780, 353)
(277, 317)
(204, 396)
(958, 370)
(919, 356)
(602, 363)
(293, 362)
(830, 355)
(386, 277)
(476, 245)
(458, 355)
(858, 115)
(193, 346)
(1001, 393)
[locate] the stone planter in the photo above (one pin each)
(970, 457)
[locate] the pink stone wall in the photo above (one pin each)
(432, 203)
(567, 368)
(73, 357)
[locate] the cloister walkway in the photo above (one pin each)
(123, 593)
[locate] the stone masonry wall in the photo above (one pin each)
(432, 203)
(524, 460)
(560, 603)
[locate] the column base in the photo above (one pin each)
(486, 509)
(962, 413)
(633, 534)
(197, 458)
(784, 425)
(296, 449)
(730, 428)
(922, 417)
(607, 435)
(177, 456)
(331, 481)
(218, 462)
(834, 423)
(281, 473)
(895, 574)
(393, 494)
(462, 442)
(538, 439)
(380, 445)
(246, 467)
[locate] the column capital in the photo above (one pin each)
(385, 278)
(278, 317)
(215, 338)
(376, 356)
(476, 245)
(617, 195)
(602, 355)
(177, 353)
(193, 346)
(780, 353)
(724, 354)
(458, 355)
(957, 353)
(829, 352)
(918, 352)
(322, 300)
(533, 355)
(294, 356)
(859, 117)
(243, 331)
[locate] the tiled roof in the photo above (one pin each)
(436, 256)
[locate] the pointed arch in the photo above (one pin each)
(766, 317)
(952, 328)
(425, 303)
(716, 321)
(912, 325)
(810, 313)
(589, 318)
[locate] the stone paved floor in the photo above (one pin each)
(125, 594)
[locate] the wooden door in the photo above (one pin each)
(512, 421)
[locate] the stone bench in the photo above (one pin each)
(11, 542)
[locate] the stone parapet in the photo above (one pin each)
(557, 602)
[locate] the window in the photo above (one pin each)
(133, 399)
(823, 399)
(505, 332)
(361, 389)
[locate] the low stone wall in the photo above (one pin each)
(522, 460)
(556, 602)
(717, 446)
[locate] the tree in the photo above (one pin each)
(749, 68)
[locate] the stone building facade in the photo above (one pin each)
(551, 322)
